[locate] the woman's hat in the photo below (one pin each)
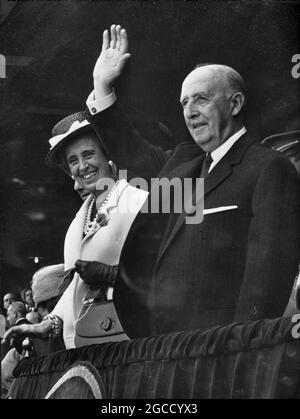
(63, 132)
(47, 283)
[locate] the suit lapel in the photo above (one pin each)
(218, 175)
(185, 170)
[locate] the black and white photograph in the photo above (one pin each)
(150, 202)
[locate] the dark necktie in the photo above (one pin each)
(206, 165)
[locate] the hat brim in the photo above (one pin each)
(52, 158)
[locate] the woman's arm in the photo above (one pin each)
(40, 330)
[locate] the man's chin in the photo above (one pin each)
(203, 142)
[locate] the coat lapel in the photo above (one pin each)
(219, 174)
(74, 236)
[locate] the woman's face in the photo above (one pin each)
(87, 162)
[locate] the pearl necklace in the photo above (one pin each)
(101, 218)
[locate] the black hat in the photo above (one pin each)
(64, 131)
(285, 142)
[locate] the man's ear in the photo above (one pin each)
(237, 103)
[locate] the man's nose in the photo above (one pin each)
(191, 111)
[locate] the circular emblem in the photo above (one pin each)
(80, 381)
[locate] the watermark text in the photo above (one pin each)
(296, 67)
(2, 67)
(167, 196)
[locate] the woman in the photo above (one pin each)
(94, 239)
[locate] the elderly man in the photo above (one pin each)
(16, 315)
(81, 192)
(233, 266)
(8, 299)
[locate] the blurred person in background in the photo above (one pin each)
(48, 285)
(8, 299)
(81, 192)
(47, 288)
(29, 303)
(16, 316)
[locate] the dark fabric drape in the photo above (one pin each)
(252, 360)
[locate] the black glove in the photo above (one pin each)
(96, 275)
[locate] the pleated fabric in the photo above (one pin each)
(251, 360)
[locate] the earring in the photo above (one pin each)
(72, 177)
(112, 167)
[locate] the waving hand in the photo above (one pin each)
(112, 58)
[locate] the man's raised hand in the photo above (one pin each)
(112, 59)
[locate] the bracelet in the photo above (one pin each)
(56, 325)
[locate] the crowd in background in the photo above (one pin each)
(31, 306)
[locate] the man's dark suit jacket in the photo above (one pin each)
(237, 265)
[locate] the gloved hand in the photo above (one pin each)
(96, 275)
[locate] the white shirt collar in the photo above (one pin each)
(221, 151)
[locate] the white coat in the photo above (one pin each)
(104, 245)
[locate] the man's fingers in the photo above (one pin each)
(105, 42)
(124, 41)
(113, 36)
(117, 39)
(118, 33)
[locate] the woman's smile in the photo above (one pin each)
(89, 176)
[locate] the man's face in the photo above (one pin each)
(7, 300)
(206, 108)
(28, 298)
(87, 163)
(81, 192)
(11, 316)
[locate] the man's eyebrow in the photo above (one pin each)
(203, 94)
